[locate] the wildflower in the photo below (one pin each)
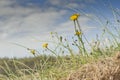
(78, 33)
(32, 51)
(45, 45)
(74, 16)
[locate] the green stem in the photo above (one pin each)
(82, 43)
(52, 52)
(75, 26)
(79, 27)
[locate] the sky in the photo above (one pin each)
(29, 22)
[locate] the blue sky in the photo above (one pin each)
(27, 21)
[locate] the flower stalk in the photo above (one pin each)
(78, 32)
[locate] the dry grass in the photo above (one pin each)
(104, 69)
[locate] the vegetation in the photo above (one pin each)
(58, 65)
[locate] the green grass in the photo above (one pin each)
(46, 67)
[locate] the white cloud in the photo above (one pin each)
(21, 24)
(5, 3)
(17, 20)
(72, 5)
(55, 2)
(81, 4)
(90, 1)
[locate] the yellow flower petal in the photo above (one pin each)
(74, 16)
(32, 51)
(45, 45)
(78, 33)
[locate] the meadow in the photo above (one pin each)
(61, 66)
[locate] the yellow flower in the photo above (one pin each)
(45, 45)
(78, 33)
(32, 51)
(74, 16)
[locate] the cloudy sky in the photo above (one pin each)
(29, 22)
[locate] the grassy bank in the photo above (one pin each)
(45, 67)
